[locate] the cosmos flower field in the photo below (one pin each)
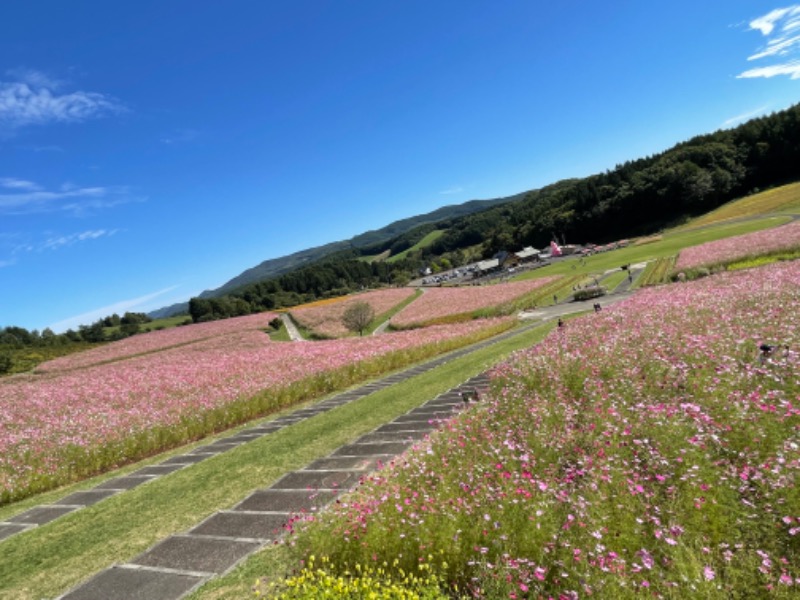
(447, 302)
(88, 413)
(727, 250)
(325, 318)
(649, 450)
(156, 341)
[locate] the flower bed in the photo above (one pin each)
(449, 302)
(325, 320)
(58, 426)
(158, 340)
(721, 252)
(648, 450)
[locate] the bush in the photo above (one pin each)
(588, 293)
(6, 363)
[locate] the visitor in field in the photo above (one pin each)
(768, 350)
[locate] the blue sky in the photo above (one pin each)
(151, 150)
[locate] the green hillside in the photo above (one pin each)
(423, 243)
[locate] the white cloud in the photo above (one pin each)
(17, 184)
(766, 23)
(34, 99)
(26, 197)
(780, 27)
(7, 263)
(745, 116)
(180, 136)
(452, 190)
(123, 306)
(791, 69)
(34, 78)
(54, 243)
(780, 47)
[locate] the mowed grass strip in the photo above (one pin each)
(49, 560)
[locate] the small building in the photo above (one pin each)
(527, 254)
(487, 266)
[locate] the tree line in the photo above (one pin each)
(642, 196)
(21, 349)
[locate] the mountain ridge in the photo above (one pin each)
(273, 267)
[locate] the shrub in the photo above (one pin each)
(588, 293)
(6, 362)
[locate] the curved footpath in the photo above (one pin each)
(183, 562)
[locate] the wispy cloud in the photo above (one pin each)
(745, 116)
(456, 189)
(21, 197)
(781, 27)
(180, 136)
(12, 183)
(33, 98)
(62, 241)
(134, 304)
(16, 245)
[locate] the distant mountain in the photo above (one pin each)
(440, 214)
(274, 267)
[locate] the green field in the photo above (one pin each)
(784, 199)
(423, 243)
(671, 243)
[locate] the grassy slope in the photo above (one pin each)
(50, 559)
(669, 244)
(423, 243)
(782, 199)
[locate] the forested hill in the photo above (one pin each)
(644, 195)
(638, 197)
(275, 267)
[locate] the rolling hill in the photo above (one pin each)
(278, 266)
